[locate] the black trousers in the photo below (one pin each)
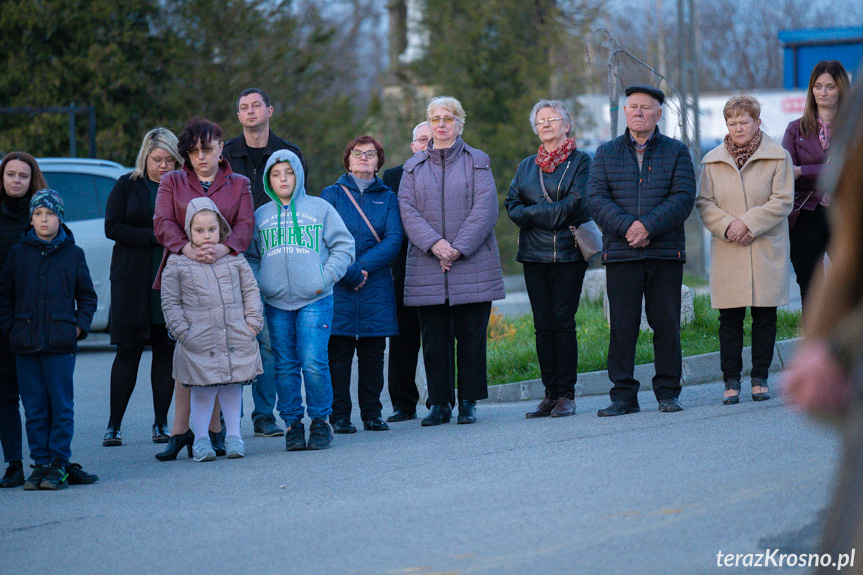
(809, 238)
(10, 414)
(370, 359)
(731, 340)
(658, 282)
(404, 350)
(124, 374)
(554, 290)
(441, 327)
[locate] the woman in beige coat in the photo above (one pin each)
(744, 197)
(213, 310)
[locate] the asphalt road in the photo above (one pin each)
(645, 493)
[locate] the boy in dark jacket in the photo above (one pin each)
(47, 302)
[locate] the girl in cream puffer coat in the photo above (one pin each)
(213, 310)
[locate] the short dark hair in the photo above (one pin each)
(248, 91)
(359, 141)
(195, 130)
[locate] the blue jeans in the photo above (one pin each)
(45, 384)
(299, 341)
(264, 387)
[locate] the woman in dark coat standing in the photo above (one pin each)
(21, 178)
(364, 307)
(807, 139)
(136, 309)
(553, 265)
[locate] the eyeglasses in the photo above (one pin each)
(548, 121)
(369, 154)
(448, 120)
(169, 161)
(206, 149)
(423, 140)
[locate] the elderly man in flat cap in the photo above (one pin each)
(641, 189)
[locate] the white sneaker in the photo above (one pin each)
(202, 450)
(235, 447)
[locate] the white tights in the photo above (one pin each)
(203, 400)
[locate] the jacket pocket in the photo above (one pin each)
(21, 334)
(61, 331)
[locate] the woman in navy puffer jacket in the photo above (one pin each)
(364, 306)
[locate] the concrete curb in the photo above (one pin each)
(696, 369)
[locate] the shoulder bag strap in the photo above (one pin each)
(362, 214)
(542, 185)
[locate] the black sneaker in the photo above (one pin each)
(56, 478)
(295, 437)
(35, 480)
(320, 435)
(14, 475)
(265, 426)
(77, 476)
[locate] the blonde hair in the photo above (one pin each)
(156, 138)
(737, 105)
(448, 103)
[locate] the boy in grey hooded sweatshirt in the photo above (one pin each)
(300, 249)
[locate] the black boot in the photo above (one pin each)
(466, 411)
(175, 445)
(14, 475)
(438, 414)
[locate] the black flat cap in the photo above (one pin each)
(651, 91)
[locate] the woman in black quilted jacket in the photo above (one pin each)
(547, 200)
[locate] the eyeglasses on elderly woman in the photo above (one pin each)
(448, 120)
(368, 154)
(548, 121)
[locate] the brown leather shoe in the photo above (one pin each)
(564, 407)
(543, 409)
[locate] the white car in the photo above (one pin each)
(84, 185)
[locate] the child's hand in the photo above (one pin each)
(252, 329)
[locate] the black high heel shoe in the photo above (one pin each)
(762, 383)
(175, 445)
(217, 440)
(731, 384)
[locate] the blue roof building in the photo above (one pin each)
(805, 47)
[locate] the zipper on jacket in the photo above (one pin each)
(357, 299)
(225, 322)
(443, 214)
(557, 199)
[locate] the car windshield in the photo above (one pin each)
(84, 195)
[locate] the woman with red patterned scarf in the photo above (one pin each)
(547, 200)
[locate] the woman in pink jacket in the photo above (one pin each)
(204, 174)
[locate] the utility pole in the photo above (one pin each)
(687, 56)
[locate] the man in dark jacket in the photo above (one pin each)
(248, 154)
(404, 348)
(641, 190)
